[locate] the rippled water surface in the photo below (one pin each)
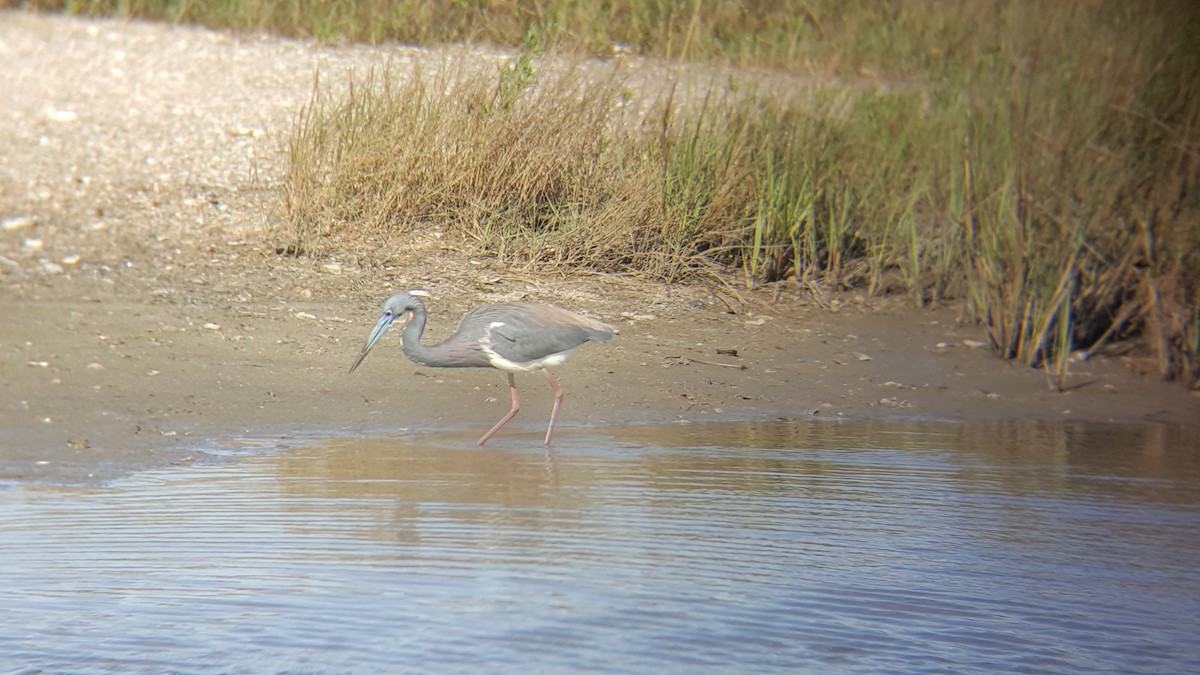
(790, 546)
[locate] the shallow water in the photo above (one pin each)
(788, 546)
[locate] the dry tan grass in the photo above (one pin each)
(551, 167)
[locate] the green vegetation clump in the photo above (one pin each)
(1036, 160)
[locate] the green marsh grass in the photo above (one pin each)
(1015, 191)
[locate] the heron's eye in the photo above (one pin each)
(388, 313)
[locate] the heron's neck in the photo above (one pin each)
(435, 356)
(410, 338)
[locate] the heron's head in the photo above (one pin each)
(401, 305)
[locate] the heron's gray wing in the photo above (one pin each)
(525, 332)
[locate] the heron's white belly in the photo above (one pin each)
(556, 359)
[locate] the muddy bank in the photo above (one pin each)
(146, 314)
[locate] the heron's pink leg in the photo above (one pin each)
(558, 395)
(516, 406)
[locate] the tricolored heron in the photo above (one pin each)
(517, 337)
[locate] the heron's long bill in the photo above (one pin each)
(381, 327)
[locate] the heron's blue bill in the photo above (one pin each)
(381, 327)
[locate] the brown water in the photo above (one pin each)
(790, 546)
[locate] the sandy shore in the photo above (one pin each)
(147, 317)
